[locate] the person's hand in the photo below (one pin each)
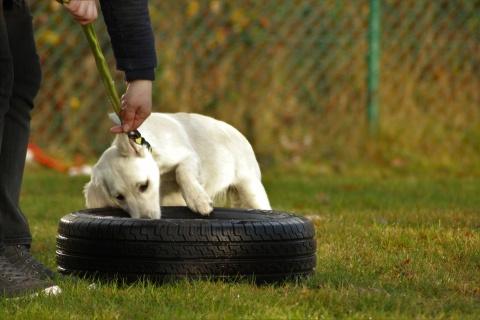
(83, 11)
(136, 106)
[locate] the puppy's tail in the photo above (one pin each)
(113, 116)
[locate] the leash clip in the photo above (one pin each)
(138, 139)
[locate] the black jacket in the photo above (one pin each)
(128, 24)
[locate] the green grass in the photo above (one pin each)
(388, 247)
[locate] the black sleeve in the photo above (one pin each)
(128, 24)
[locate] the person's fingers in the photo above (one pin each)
(82, 11)
(140, 117)
(136, 104)
(127, 115)
(131, 120)
(117, 129)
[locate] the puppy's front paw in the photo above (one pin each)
(201, 204)
(198, 201)
(204, 208)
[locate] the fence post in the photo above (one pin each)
(373, 62)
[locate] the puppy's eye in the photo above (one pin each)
(120, 197)
(144, 187)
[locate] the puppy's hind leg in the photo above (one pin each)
(235, 200)
(250, 193)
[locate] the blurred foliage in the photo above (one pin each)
(290, 74)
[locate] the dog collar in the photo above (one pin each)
(138, 139)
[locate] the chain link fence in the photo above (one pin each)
(289, 74)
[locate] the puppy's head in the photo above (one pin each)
(126, 176)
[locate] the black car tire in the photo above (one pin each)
(267, 246)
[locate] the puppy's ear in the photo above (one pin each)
(96, 194)
(127, 147)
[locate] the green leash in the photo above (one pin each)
(102, 67)
(108, 81)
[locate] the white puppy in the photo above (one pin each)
(195, 159)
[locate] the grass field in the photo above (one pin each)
(389, 247)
